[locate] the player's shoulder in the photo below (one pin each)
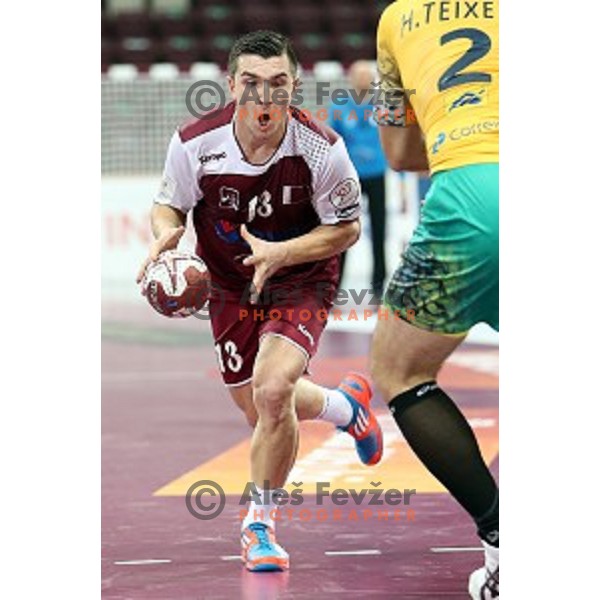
(206, 123)
(309, 127)
(391, 11)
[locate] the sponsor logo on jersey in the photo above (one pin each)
(468, 99)
(228, 231)
(344, 213)
(487, 126)
(460, 133)
(441, 138)
(229, 198)
(206, 158)
(345, 197)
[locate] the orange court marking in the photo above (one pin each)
(326, 456)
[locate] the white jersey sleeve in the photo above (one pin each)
(337, 191)
(178, 187)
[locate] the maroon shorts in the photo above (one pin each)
(239, 328)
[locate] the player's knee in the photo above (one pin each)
(381, 372)
(273, 398)
(382, 362)
(393, 378)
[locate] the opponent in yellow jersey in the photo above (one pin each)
(445, 56)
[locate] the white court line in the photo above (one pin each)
(352, 552)
(478, 549)
(231, 557)
(146, 561)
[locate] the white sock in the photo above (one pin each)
(336, 408)
(262, 511)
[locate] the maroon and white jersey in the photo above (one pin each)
(309, 181)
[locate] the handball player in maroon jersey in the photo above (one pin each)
(274, 200)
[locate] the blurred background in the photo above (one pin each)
(183, 32)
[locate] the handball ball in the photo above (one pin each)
(177, 284)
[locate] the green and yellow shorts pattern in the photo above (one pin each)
(447, 280)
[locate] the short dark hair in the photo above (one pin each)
(263, 43)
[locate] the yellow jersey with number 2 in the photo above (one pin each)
(445, 56)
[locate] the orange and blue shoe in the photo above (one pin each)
(363, 427)
(260, 550)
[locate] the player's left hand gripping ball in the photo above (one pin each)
(177, 284)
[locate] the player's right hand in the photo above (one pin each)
(168, 240)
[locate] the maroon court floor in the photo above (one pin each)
(165, 413)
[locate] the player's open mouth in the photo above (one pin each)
(263, 120)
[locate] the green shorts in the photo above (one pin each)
(447, 280)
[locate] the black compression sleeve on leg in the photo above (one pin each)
(440, 436)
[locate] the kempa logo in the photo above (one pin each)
(306, 333)
(210, 157)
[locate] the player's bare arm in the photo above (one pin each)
(164, 218)
(320, 243)
(168, 225)
(403, 143)
(404, 148)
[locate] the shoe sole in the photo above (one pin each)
(268, 564)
